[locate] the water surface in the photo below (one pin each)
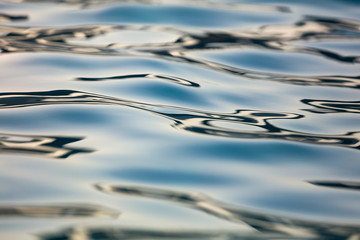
(179, 119)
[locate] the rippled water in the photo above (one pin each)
(179, 119)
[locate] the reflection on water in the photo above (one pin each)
(275, 38)
(56, 211)
(151, 234)
(330, 106)
(338, 184)
(268, 226)
(272, 85)
(262, 222)
(172, 79)
(202, 3)
(47, 146)
(9, 18)
(189, 119)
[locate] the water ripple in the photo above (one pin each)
(331, 106)
(337, 184)
(171, 79)
(12, 18)
(56, 211)
(98, 233)
(191, 120)
(272, 37)
(262, 222)
(47, 146)
(193, 3)
(249, 76)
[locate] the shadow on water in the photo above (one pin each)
(47, 146)
(56, 211)
(189, 119)
(272, 37)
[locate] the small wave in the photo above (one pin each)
(337, 184)
(56, 211)
(12, 18)
(191, 120)
(331, 106)
(262, 222)
(193, 3)
(117, 233)
(274, 72)
(171, 79)
(275, 38)
(46, 146)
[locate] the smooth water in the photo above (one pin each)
(179, 119)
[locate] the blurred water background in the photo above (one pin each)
(155, 119)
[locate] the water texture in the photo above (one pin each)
(202, 119)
